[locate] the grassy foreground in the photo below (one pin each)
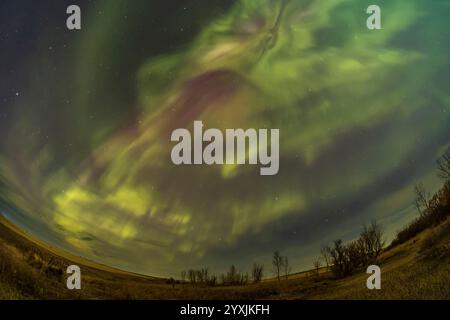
(416, 269)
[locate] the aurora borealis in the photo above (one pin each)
(86, 117)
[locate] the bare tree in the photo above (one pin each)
(183, 276)
(243, 279)
(204, 275)
(199, 276)
(257, 272)
(422, 199)
(192, 275)
(355, 256)
(325, 252)
(212, 281)
(233, 276)
(317, 265)
(277, 263)
(370, 243)
(338, 256)
(444, 166)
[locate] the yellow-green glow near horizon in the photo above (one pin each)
(356, 111)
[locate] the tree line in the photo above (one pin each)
(233, 276)
(342, 259)
(432, 209)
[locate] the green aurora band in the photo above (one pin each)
(362, 114)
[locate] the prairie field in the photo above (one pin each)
(416, 269)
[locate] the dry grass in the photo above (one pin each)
(416, 269)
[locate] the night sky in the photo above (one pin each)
(86, 118)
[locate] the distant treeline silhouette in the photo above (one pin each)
(232, 277)
(235, 277)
